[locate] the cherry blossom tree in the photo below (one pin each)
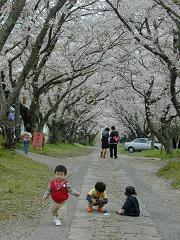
(150, 102)
(154, 25)
(28, 60)
(77, 60)
(77, 111)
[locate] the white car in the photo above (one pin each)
(140, 144)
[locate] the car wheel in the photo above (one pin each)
(130, 149)
(156, 148)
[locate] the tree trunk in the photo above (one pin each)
(8, 126)
(152, 139)
(173, 90)
(178, 142)
(40, 123)
(164, 135)
(9, 134)
(40, 126)
(2, 2)
(33, 113)
(17, 119)
(75, 136)
(71, 133)
(54, 131)
(93, 137)
(52, 135)
(168, 143)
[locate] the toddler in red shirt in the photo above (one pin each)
(59, 189)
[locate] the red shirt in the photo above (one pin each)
(59, 192)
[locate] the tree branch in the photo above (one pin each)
(11, 21)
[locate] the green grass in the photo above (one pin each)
(172, 172)
(23, 182)
(121, 149)
(60, 149)
(155, 153)
(152, 153)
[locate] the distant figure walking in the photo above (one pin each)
(105, 142)
(26, 140)
(114, 139)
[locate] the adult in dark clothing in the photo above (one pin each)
(114, 139)
(131, 205)
(105, 142)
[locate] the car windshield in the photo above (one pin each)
(141, 140)
(150, 140)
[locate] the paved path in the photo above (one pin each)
(77, 169)
(162, 202)
(160, 206)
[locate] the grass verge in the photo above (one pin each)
(155, 153)
(152, 153)
(60, 149)
(23, 182)
(172, 172)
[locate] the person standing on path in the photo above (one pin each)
(114, 139)
(105, 142)
(26, 140)
(59, 189)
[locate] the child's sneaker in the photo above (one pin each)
(100, 209)
(89, 209)
(54, 220)
(58, 222)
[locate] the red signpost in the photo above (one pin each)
(38, 139)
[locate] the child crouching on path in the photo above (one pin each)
(97, 197)
(59, 189)
(131, 205)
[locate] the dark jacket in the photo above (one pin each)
(105, 134)
(112, 134)
(131, 206)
